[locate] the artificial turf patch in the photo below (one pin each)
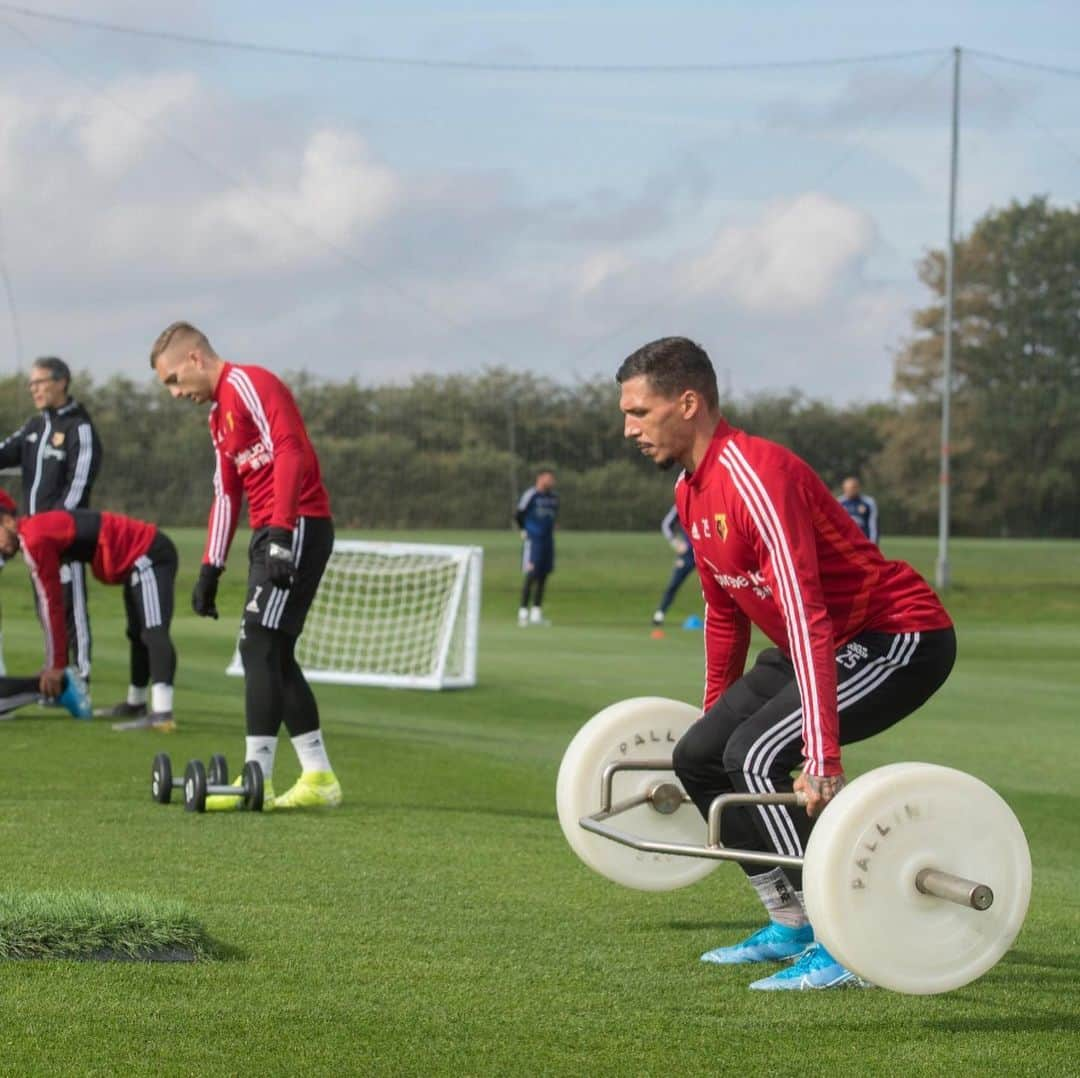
(93, 925)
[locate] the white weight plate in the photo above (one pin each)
(860, 868)
(642, 728)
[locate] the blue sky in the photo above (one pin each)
(375, 221)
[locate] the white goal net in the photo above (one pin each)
(402, 615)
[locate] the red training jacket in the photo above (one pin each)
(46, 539)
(262, 450)
(775, 548)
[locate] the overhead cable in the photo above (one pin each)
(375, 59)
(1052, 69)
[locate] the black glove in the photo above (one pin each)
(279, 563)
(202, 598)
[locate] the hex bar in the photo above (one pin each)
(609, 772)
(715, 850)
(928, 881)
(596, 825)
(730, 800)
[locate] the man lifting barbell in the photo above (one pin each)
(859, 642)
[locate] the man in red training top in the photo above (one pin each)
(120, 550)
(859, 642)
(262, 450)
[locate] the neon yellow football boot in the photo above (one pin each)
(313, 789)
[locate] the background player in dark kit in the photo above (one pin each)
(536, 515)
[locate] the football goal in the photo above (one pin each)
(401, 615)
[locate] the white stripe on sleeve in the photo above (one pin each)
(43, 609)
(220, 517)
(82, 467)
(767, 521)
(245, 389)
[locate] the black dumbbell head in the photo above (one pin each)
(253, 786)
(217, 774)
(161, 784)
(195, 787)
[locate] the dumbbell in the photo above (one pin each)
(197, 787)
(917, 877)
(162, 782)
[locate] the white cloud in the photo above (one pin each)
(792, 258)
(18, 115)
(338, 192)
(114, 127)
(600, 266)
(293, 242)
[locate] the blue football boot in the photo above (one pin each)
(75, 695)
(773, 943)
(815, 969)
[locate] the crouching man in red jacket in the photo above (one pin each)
(119, 550)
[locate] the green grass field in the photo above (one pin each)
(438, 923)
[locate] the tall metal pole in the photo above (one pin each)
(942, 576)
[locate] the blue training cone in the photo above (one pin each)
(692, 622)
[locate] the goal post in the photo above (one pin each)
(399, 615)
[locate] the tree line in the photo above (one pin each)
(455, 451)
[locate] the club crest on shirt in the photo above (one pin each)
(57, 439)
(705, 529)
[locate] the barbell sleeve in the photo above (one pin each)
(964, 892)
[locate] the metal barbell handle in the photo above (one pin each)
(928, 881)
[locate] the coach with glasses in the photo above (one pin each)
(59, 455)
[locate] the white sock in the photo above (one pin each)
(780, 899)
(161, 697)
(3, 665)
(136, 695)
(262, 751)
(311, 752)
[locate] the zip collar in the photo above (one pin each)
(700, 475)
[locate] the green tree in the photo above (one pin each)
(1016, 451)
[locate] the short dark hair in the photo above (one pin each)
(672, 365)
(58, 370)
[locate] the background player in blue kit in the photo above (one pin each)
(537, 510)
(860, 507)
(672, 531)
